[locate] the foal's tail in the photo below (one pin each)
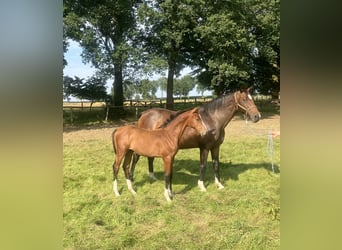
(113, 134)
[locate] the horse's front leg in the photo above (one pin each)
(126, 166)
(215, 157)
(168, 165)
(203, 163)
(150, 169)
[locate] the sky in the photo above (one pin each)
(76, 67)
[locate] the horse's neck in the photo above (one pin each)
(176, 128)
(224, 113)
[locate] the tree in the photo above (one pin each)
(162, 84)
(265, 25)
(92, 89)
(224, 34)
(129, 90)
(184, 85)
(229, 33)
(104, 30)
(147, 88)
(167, 27)
(67, 87)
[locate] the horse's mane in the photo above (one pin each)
(172, 117)
(217, 103)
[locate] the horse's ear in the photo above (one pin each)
(249, 90)
(243, 87)
(195, 110)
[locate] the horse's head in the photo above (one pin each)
(195, 121)
(246, 104)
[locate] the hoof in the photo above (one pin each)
(168, 195)
(201, 186)
(218, 184)
(130, 187)
(115, 188)
(152, 176)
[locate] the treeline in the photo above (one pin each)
(227, 44)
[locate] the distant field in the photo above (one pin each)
(85, 104)
(244, 215)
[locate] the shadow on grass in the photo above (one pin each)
(186, 172)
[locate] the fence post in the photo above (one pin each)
(107, 111)
(71, 118)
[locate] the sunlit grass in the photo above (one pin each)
(243, 215)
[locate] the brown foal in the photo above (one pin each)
(162, 142)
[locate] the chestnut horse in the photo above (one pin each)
(162, 142)
(216, 115)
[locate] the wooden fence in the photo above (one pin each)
(138, 105)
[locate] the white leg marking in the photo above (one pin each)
(115, 188)
(201, 186)
(130, 187)
(152, 176)
(218, 184)
(167, 194)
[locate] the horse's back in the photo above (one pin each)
(154, 118)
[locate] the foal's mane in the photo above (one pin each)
(172, 117)
(217, 103)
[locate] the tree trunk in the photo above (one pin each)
(169, 86)
(117, 110)
(117, 85)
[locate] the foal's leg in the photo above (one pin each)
(215, 158)
(116, 166)
(168, 164)
(150, 169)
(134, 163)
(203, 163)
(126, 166)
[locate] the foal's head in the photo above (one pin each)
(246, 104)
(194, 120)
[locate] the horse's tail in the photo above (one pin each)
(113, 134)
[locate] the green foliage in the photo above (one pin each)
(228, 44)
(104, 30)
(147, 89)
(92, 89)
(167, 28)
(184, 85)
(266, 29)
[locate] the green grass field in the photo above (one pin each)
(243, 215)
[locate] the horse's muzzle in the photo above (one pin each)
(256, 117)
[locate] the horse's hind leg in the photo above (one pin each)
(215, 158)
(116, 166)
(134, 163)
(126, 166)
